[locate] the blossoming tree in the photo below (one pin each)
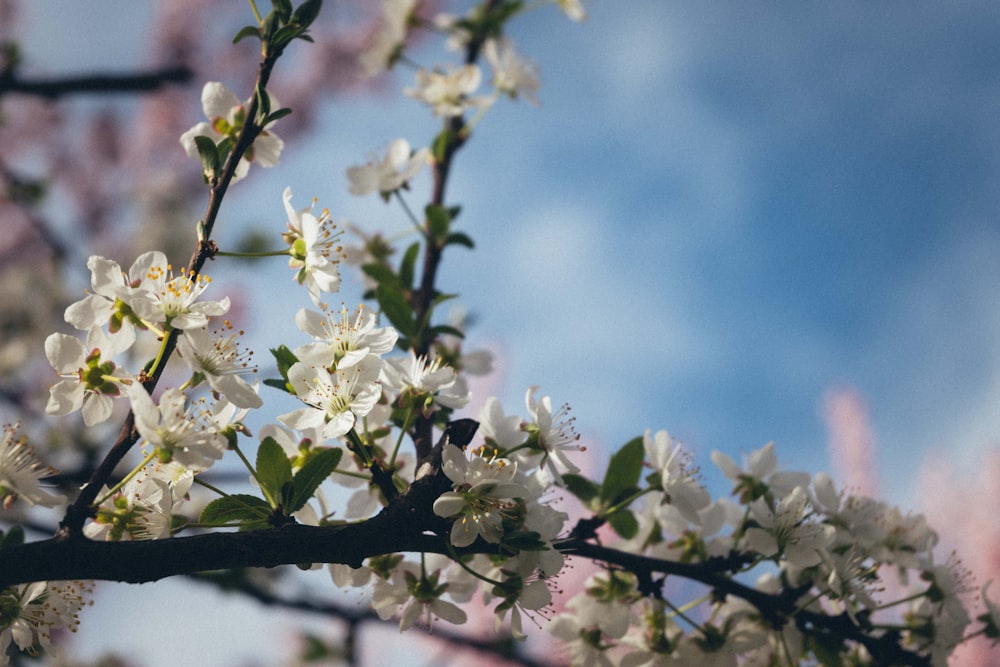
(786, 570)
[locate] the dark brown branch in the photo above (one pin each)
(96, 84)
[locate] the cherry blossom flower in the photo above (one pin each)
(162, 297)
(424, 383)
(20, 472)
(340, 339)
(520, 595)
(512, 75)
(29, 613)
(419, 595)
(501, 431)
(174, 433)
(140, 510)
(550, 434)
(218, 358)
(786, 530)
(761, 474)
(388, 41)
(104, 305)
(389, 174)
(448, 93)
(91, 381)
(314, 248)
(226, 117)
(676, 477)
(481, 497)
(335, 400)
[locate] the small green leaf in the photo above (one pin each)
(238, 508)
(382, 274)
(263, 101)
(307, 12)
(624, 523)
(581, 487)
(459, 238)
(279, 384)
(273, 469)
(438, 223)
(407, 266)
(269, 25)
(283, 8)
(247, 31)
(395, 306)
(445, 330)
(286, 34)
(276, 115)
(316, 469)
(623, 470)
(209, 154)
(285, 359)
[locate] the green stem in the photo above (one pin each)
(160, 355)
(455, 557)
(399, 440)
(210, 487)
(125, 480)
(409, 213)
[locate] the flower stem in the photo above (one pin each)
(125, 480)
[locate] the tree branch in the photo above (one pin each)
(99, 83)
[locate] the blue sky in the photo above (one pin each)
(719, 212)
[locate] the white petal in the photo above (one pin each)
(65, 353)
(217, 100)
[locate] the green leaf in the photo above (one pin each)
(269, 25)
(445, 330)
(316, 469)
(286, 34)
(209, 154)
(395, 306)
(624, 523)
(382, 274)
(623, 471)
(408, 265)
(238, 508)
(283, 8)
(247, 31)
(263, 101)
(581, 487)
(459, 238)
(307, 12)
(274, 469)
(279, 384)
(280, 113)
(438, 223)
(285, 359)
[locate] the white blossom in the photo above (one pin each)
(448, 93)
(21, 471)
(390, 173)
(314, 248)
(335, 400)
(174, 433)
(340, 339)
(226, 117)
